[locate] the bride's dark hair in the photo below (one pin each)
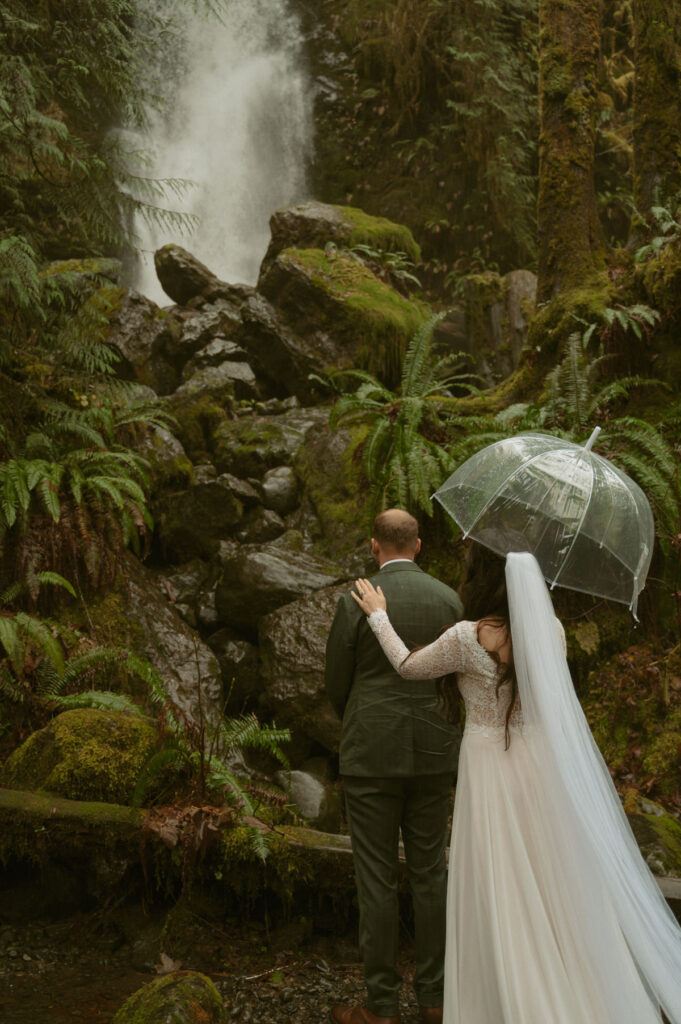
(485, 601)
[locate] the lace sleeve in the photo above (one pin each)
(444, 655)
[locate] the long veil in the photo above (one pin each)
(617, 890)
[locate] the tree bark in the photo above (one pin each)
(571, 248)
(657, 102)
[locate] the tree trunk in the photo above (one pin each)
(571, 249)
(657, 102)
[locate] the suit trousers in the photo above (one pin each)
(377, 809)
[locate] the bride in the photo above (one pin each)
(552, 915)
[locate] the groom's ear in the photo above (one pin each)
(418, 546)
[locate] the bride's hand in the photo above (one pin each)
(369, 600)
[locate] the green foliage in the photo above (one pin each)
(203, 755)
(403, 459)
(667, 222)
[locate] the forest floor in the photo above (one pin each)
(73, 972)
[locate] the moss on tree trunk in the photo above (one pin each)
(571, 248)
(657, 101)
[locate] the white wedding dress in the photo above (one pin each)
(552, 915)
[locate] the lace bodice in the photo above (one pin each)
(456, 650)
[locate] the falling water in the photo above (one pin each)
(238, 125)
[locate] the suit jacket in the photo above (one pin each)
(391, 726)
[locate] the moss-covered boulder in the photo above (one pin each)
(313, 225)
(182, 276)
(185, 997)
(497, 313)
(250, 446)
(332, 295)
(83, 755)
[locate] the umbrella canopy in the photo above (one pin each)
(589, 525)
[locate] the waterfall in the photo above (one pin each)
(237, 123)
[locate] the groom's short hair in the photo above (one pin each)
(396, 530)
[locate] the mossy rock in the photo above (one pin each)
(658, 834)
(330, 472)
(313, 225)
(83, 755)
(250, 446)
(186, 997)
(336, 295)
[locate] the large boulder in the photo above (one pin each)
(180, 274)
(141, 332)
(256, 579)
(83, 755)
(169, 464)
(282, 360)
(312, 225)
(343, 311)
(292, 643)
(140, 615)
(184, 997)
(219, 350)
(280, 489)
(248, 447)
(194, 521)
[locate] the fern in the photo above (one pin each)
(102, 700)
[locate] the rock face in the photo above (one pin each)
(83, 755)
(292, 648)
(141, 333)
(198, 518)
(182, 998)
(282, 360)
(256, 579)
(280, 489)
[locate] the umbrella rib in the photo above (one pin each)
(581, 522)
(523, 465)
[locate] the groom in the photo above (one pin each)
(397, 759)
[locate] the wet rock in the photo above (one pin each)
(249, 447)
(219, 383)
(140, 616)
(181, 275)
(314, 796)
(219, 350)
(200, 328)
(282, 360)
(186, 586)
(292, 644)
(260, 526)
(256, 579)
(83, 754)
(176, 999)
(194, 521)
(280, 489)
(141, 332)
(240, 667)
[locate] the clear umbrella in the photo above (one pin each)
(589, 525)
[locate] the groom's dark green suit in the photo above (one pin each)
(397, 757)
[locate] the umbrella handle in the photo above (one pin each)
(589, 444)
